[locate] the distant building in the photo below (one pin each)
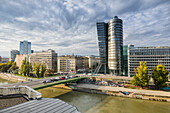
(152, 55)
(25, 47)
(32, 51)
(67, 63)
(93, 62)
(49, 58)
(4, 60)
(13, 54)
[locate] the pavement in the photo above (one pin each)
(140, 91)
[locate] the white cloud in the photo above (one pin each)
(69, 26)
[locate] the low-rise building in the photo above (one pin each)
(152, 55)
(49, 58)
(4, 60)
(67, 63)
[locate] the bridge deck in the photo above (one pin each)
(44, 105)
(59, 82)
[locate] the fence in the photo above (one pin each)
(31, 93)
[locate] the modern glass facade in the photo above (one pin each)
(102, 41)
(102, 32)
(25, 47)
(115, 46)
(125, 61)
(110, 40)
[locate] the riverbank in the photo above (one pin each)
(124, 92)
(12, 78)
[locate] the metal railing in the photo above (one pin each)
(31, 93)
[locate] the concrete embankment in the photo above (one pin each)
(11, 77)
(124, 92)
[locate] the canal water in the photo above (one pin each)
(96, 103)
(3, 82)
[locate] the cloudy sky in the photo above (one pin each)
(69, 26)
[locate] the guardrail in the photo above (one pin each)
(31, 93)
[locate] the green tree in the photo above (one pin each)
(50, 72)
(141, 78)
(29, 68)
(13, 67)
(3, 67)
(37, 69)
(23, 67)
(26, 67)
(43, 69)
(160, 76)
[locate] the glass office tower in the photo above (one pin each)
(115, 45)
(102, 42)
(110, 39)
(25, 47)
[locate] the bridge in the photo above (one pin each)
(60, 82)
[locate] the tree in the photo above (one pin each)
(141, 78)
(26, 67)
(23, 67)
(13, 67)
(43, 69)
(29, 68)
(50, 72)
(37, 69)
(160, 76)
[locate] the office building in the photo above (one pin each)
(4, 60)
(110, 41)
(125, 61)
(93, 62)
(152, 55)
(25, 47)
(49, 58)
(68, 63)
(13, 54)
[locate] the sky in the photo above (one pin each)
(69, 26)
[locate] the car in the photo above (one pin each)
(44, 81)
(63, 78)
(48, 81)
(57, 79)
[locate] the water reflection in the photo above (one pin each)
(96, 103)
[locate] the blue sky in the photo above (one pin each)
(69, 26)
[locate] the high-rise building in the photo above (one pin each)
(25, 47)
(110, 40)
(115, 45)
(152, 55)
(13, 54)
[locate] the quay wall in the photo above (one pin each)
(131, 94)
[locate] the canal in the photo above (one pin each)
(96, 103)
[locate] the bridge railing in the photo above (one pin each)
(31, 93)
